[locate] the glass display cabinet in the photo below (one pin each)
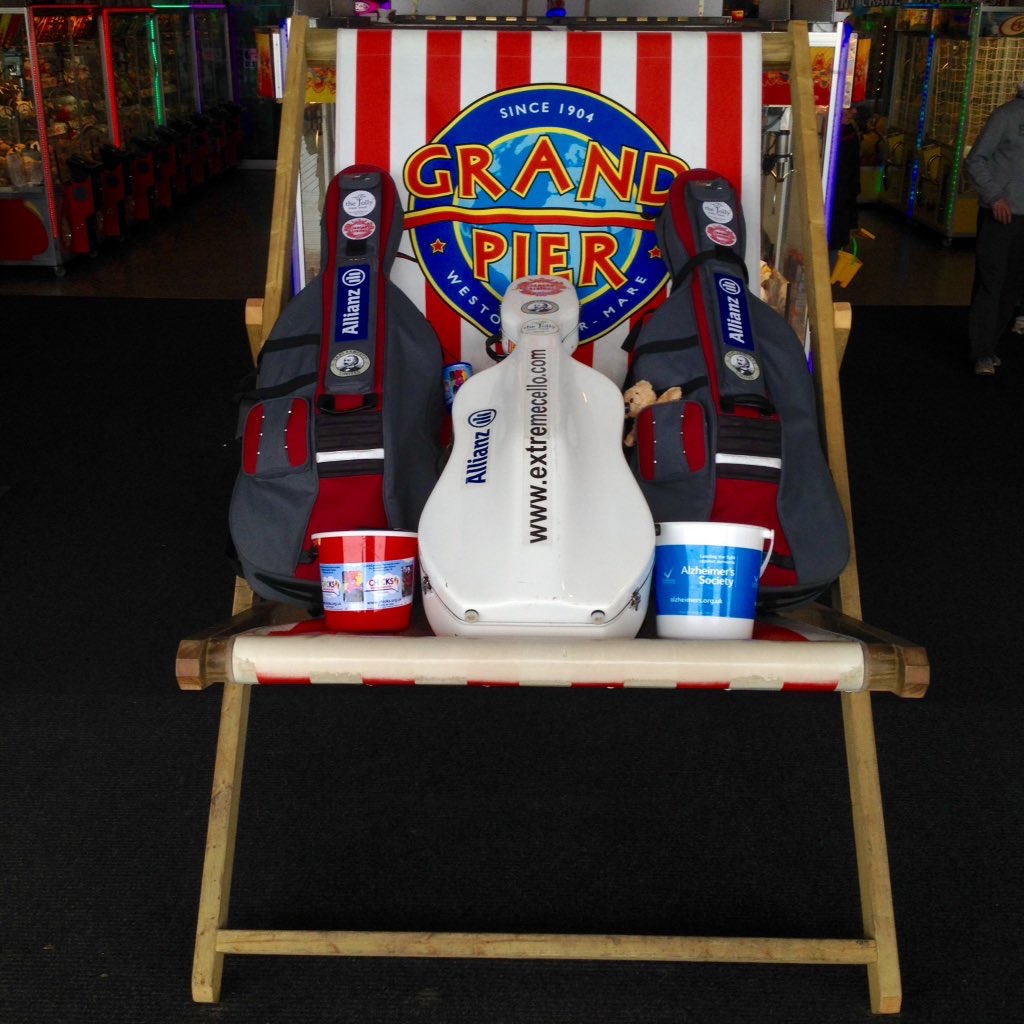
(913, 44)
(222, 117)
(179, 80)
(133, 72)
(137, 115)
(177, 56)
(213, 55)
(53, 132)
(954, 65)
(988, 72)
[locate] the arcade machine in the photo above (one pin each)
(180, 82)
(911, 72)
(875, 27)
(53, 127)
(220, 116)
(136, 107)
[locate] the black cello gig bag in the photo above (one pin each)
(341, 431)
(741, 443)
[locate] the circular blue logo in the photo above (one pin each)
(541, 179)
(482, 418)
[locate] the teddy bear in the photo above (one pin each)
(639, 397)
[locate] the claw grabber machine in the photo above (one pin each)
(219, 114)
(136, 107)
(53, 125)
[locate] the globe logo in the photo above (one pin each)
(545, 180)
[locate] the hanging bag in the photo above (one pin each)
(341, 431)
(738, 441)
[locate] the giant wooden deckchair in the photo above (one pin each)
(866, 660)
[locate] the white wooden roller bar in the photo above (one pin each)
(799, 657)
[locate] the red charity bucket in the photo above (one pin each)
(368, 578)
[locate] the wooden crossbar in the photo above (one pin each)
(890, 663)
(547, 946)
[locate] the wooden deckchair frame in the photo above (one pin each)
(876, 949)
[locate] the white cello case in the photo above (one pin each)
(536, 526)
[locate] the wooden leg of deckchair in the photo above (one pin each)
(215, 895)
(207, 963)
(872, 858)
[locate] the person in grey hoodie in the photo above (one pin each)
(995, 167)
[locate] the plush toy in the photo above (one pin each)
(639, 397)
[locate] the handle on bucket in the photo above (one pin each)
(768, 535)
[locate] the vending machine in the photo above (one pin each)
(53, 130)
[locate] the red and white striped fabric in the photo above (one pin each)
(778, 658)
(698, 93)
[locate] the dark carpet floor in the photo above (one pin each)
(511, 810)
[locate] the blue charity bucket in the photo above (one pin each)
(706, 577)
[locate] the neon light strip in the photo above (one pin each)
(108, 46)
(972, 57)
(915, 171)
(158, 86)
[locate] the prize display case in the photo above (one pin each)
(179, 80)
(913, 46)
(875, 28)
(954, 65)
(53, 133)
(213, 55)
(133, 72)
(137, 115)
(221, 118)
(177, 56)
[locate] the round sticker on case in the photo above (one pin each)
(721, 235)
(538, 327)
(543, 286)
(358, 203)
(349, 363)
(358, 228)
(745, 366)
(716, 210)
